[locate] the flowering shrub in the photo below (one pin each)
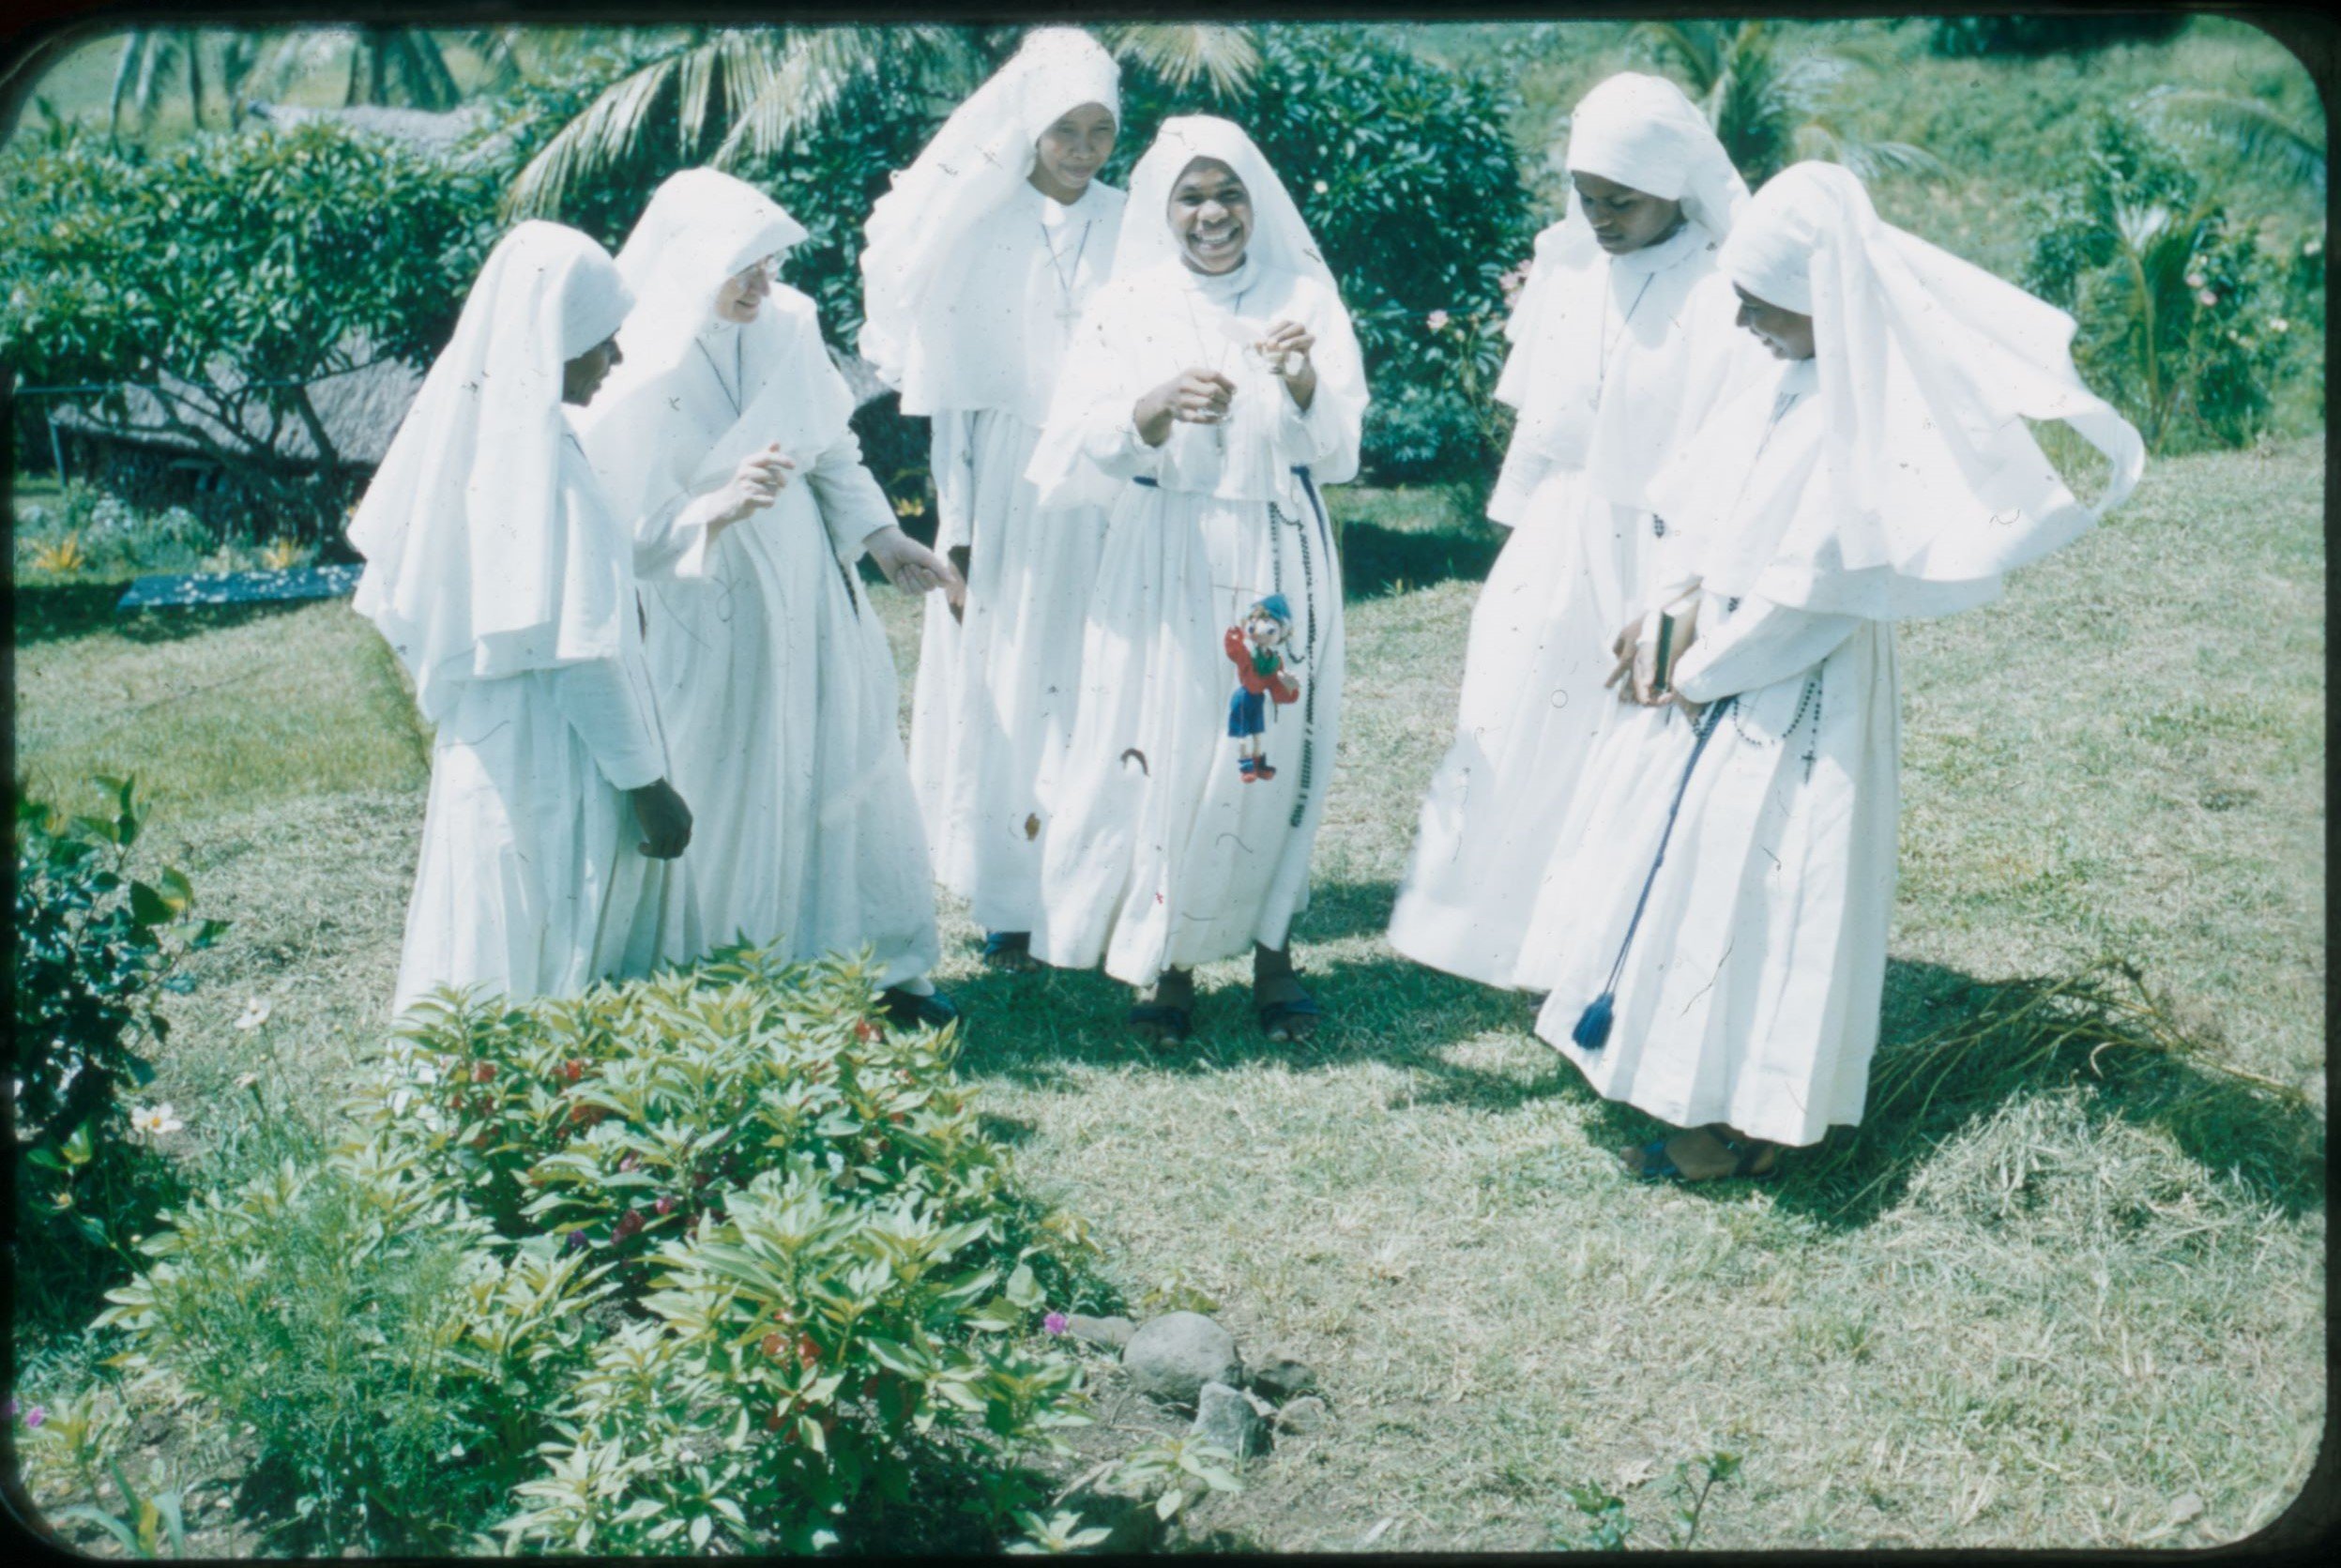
(710, 1261)
(93, 949)
(2177, 325)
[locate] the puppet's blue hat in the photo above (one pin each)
(1274, 604)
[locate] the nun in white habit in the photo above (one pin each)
(505, 586)
(723, 439)
(1724, 951)
(1622, 340)
(977, 264)
(1213, 385)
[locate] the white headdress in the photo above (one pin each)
(979, 158)
(475, 567)
(702, 227)
(1930, 485)
(1643, 133)
(1280, 237)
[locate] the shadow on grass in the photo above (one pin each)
(1376, 561)
(57, 612)
(1954, 1050)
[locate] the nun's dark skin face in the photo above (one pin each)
(1069, 152)
(583, 376)
(1788, 335)
(1210, 216)
(1624, 219)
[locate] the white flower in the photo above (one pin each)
(1318, 186)
(2194, 279)
(256, 1013)
(155, 1121)
(2279, 325)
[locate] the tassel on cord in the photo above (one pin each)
(1592, 1031)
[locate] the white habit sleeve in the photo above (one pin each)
(1759, 645)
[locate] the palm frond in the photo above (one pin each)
(2255, 133)
(1224, 56)
(609, 129)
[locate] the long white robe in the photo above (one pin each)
(1160, 853)
(1574, 570)
(1750, 993)
(531, 880)
(993, 704)
(770, 667)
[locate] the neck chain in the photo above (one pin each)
(1067, 277)
(1609, 339)
(731, 388)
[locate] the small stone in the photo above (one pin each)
(1113, 1333)
(1170, 1358)
(1226, 1416)
(1280, 1378)
(1303, 1415)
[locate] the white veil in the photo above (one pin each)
(1642, 132)
(982, 154)
(475, 567)
(1930, 485)
(703, 226)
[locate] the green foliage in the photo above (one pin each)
(94, 948)
(229, 272)
(709, 1261)
(86, 529)
(2175, 323)
(1964, 37)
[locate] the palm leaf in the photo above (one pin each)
(2256, 134)
(1224, 56)
(610, 127)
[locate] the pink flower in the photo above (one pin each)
(1054, 1323)
(35, 1416)
(1436, 321)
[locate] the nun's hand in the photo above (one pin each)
(1287, 350)
(1622, 648)
(913, 568)
(1194, 397)
(756, 484)
(665, 819)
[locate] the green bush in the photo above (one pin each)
(2177, 323)
(231, 271)
(94, 948)
(707, 1261)
(1960, 38)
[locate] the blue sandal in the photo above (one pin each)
(1010, 949)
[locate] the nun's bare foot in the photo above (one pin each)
(1701, 1154)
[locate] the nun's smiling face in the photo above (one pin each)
(1624, 219)
(583, 376)
(742, 295)
(1068, 152)
(1210, 216)
(1788, 335)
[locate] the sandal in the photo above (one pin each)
(1158, 1021)
(1286, 1010)
(905, 1010)
(1011, 950)
(1746, 1157)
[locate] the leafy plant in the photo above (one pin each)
(1964, 37)
(224, 278)
(1603, 1514)
(2170, 298)
(708, 1261)
(2258, 135)
(94, 949)
(1174, 1472)
(1711, 1470)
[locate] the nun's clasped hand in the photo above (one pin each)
(1287, 350)
(913, 568)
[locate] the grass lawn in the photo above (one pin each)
(2040, 1305)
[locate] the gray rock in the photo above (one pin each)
(1280, 1378)
(1303, 1415)
(1113, 1332)
(1171, 1357)
(1230, 1418)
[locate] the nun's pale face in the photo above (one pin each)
(1788, 335)
(1068, 152)
(742, 295)
(583, 376)
(1624, 219)
(1210, 216)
